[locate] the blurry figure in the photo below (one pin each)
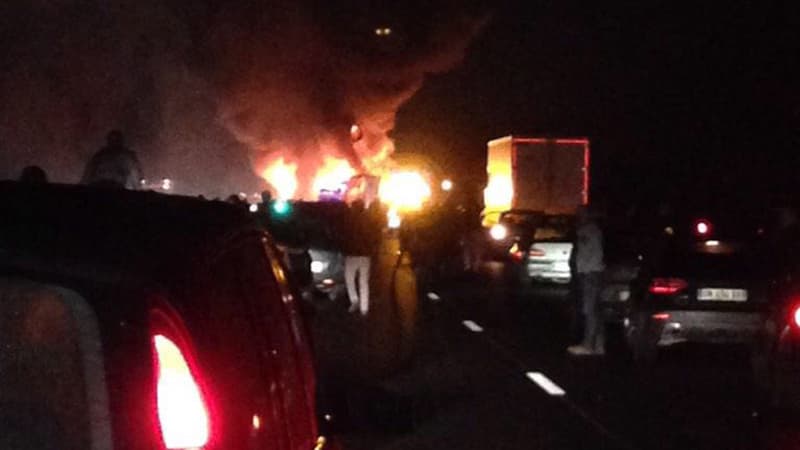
(33, 175)
(589, 267)
(360, 243)
(114, 165)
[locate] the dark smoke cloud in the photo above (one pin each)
(207, 91)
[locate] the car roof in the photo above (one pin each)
(144, 233)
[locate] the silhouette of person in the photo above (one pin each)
(114, 165)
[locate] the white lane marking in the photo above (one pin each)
(546, 384)
(472, 326)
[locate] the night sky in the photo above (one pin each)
(676, 100)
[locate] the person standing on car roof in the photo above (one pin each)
(360, 242)
(589, 267)
(114, 165)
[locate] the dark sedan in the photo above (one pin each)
(701, 290)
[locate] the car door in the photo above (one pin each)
(237, 354)
(276, 314)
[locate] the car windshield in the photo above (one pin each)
(723, 260)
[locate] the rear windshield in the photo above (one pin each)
(720, 260)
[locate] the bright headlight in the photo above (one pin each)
(498, 232)
(317, 266)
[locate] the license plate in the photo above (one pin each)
(722, 295)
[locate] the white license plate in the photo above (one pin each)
(722, 295)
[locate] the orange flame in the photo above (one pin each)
(283, 178)
(334, 174)
(404, 191)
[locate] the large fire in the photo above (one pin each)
(404, 191)
(332, 176)
(283, 178)
(401, 191)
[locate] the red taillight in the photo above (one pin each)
(536, 253)
(702, 227)
(182, 410)
(667, 286)
(796, 316)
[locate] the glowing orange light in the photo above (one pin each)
(182, 412)
(333, 175)
(404, 191)
(355, 133)
(499, 193)
(283, 177)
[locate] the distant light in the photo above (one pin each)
(386, 31)
(256, 422)
(317, 267)
(702, 227)
(712, 243)
(328, 282)
(394, 219)
(253, 207)
(669, 230)
(166, 184)
(796, 316)
(447, 185)
(355, 133)
(281, 207)
(498, 232)
(661, 316)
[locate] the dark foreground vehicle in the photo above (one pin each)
(141, 321)
(776, 355)
(708, 288)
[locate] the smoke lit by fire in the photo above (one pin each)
(219, 97)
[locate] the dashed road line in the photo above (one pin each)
(472, 326)
(546, 384)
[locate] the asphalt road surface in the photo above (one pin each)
(488, 369)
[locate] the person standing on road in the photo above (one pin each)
(360, 242)
(589, 267)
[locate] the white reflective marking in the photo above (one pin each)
(472, 326)
(546, 384)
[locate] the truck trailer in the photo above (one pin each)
(550, 175)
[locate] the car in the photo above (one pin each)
(139, 320)
(311, 232)
(514, 230)
(623, 256)
(547, 259)
(701, 287)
